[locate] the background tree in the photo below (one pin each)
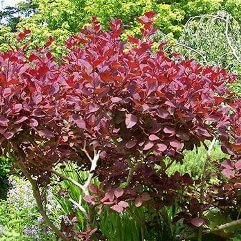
(10, 16)
(62, 17)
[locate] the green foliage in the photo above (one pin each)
(129, 225)
(194, 160)
(236, 238)
(19, 215)
(61, 17)
(5, 167)
(73, 14)
(121, 227)
(212, 40)
(75, 194)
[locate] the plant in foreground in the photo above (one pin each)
(117, 109)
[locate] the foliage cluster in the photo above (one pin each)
(59, 18)
(20, 219)
(5, 168)
(212, 39)
(119, 110)
(132, 224)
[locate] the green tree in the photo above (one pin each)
(60, 18)
(11, 16)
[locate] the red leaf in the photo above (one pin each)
(117, 208)
(3, 121)
(89, 199)
(50, 41)
(133, 40)
(197, 222)
(130, 121)
(38, 113)
(32, 57)
(79, 121)
(145, 196)
(46, 133)
(163, 113)
(17, 108)
(143, 20)
(8, 135)
(7, 92)
(21, 119)
(13, 82)
(183, 136)
(228, 173)
(138, 201)
(236, 147)
(93, 188)
(43, 70)
(87, 76)
(187, 179)
(161, 147)
(219, 100)
(33, 122)
(26, 31)
(238, 164)
(100, 90)
(70, 82)
(115, 99)
(93, 108)
(37, 98)
(123, 204)
(110, 196)
(118, 192)
(176, 144)
(148, 146)
(153, 137)
(106, 76)
(21, 36)
(150, 14)
(237, 185)
(98, 61)
(169, 130)
(227, 164)
(131, 143)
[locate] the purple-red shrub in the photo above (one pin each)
(128, 100)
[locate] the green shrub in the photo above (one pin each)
(19, 218)
(5, 167)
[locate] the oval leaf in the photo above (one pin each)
(130, 121)
(197, 222)
(118, 192)
(131, 143)
(138, 201)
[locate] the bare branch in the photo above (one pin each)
(192, 49)
(224, 226)
(131, 172)
(92, 169)
(80, 207)
(229, 41)
(218, 228)
(86, 152)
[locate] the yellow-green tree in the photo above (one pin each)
(62, 17)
